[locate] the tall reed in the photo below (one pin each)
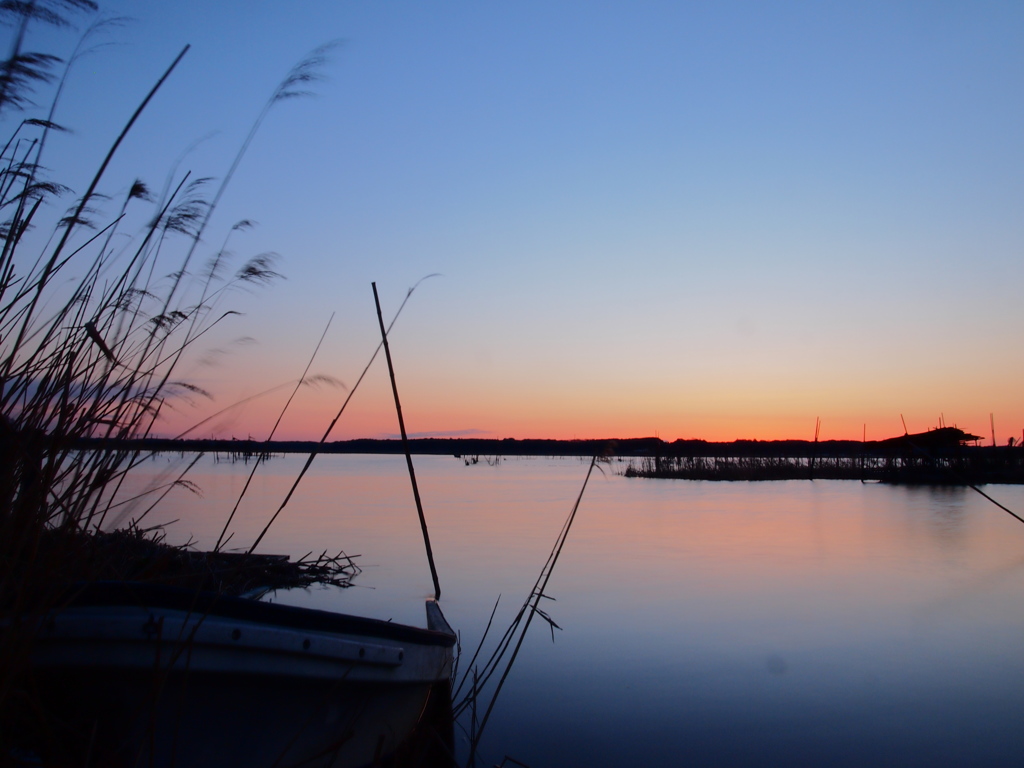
(93, 335)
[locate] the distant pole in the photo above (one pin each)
(905, 430)
(863, 453)
(992, 423)
(814, 452)
(405, 444)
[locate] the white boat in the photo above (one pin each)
(162, 676)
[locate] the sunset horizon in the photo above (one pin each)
(721, 223)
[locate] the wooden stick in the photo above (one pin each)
(405, 444)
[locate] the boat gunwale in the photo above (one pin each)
(165, 597)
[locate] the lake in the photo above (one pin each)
(702, 623)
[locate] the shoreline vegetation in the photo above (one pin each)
(103, 300)
(941, 456)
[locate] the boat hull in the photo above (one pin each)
(161, 677)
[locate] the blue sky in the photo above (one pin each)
(714, 220)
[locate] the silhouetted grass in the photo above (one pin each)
(969, 465)
(92, 339)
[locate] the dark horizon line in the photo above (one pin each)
(509, 446)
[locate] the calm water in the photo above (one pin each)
(753, 624)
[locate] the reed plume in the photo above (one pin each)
(90, 362)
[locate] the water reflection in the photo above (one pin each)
(944, 508)
(703, 623)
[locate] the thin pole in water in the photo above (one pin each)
(405, 444)
(863, 452)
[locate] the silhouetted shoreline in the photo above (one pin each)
(936, 457)
(442, 446)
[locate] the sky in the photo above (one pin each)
(691, 220)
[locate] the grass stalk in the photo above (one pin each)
(529, 609)
(330, 427)
(270, 437)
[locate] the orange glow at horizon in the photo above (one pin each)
(447, 396)
(373, 416)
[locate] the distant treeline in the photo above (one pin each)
(437, 446)
(440, 446)
(938, 456)
(934, 441)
